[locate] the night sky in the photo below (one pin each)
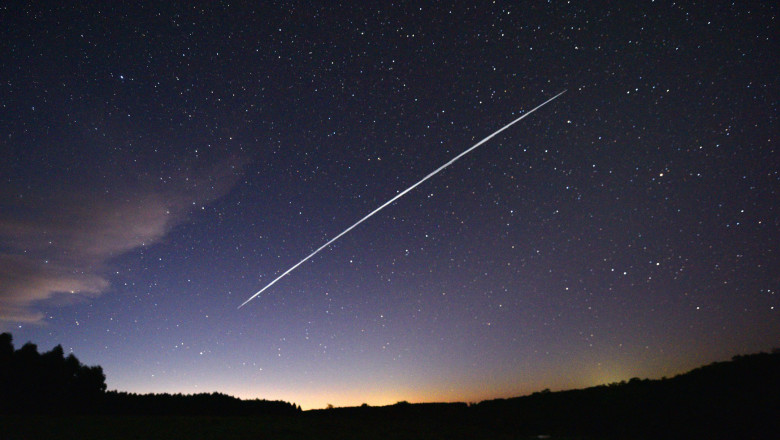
(162, 163)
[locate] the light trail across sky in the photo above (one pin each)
(399, 195)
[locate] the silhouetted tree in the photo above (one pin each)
(6, 356)
(46, 383)
(6, 347)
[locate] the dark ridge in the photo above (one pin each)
(739, 398)
(723, 400)
(733, 399)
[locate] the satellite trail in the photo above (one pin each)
(398, 196)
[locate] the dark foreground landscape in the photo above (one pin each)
(50, 395)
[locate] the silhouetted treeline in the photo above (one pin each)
(51, 383)
(46, 382)
(204, 404)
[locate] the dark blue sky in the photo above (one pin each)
(162, 163)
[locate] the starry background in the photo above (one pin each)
(163, 162)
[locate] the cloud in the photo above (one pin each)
(25, 280)
(56, 244)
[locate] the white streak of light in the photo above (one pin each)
(399, 195)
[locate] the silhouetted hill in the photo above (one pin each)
(724, 400)
(733, 399)
(736, 399)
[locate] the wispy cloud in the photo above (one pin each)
(56, 245)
